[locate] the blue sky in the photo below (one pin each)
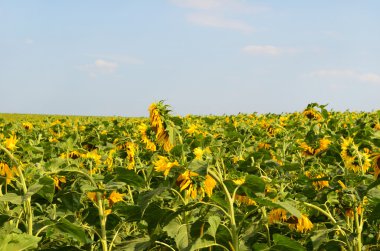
(95, 57)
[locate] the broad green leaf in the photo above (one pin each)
(138, 244)
(12, 198)
(319, 237)
(201, 243)
(198, 166)
(214, 222)
(287, 205)
(18, 242)
(285, 243)
(47, 190)
(73, 230)
(129, 177)
(375, 215)
(33, 189)
(252, 185)
(128, 212)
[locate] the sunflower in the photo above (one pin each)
(7, 172)
(185, 182)
(115, 197)
(10, 143)
(312, 114)
(302, 224)
(376, 166)
(27, 125)
(131, 150)
(243, 199)
(163, 165)
(354, 159)
(157, 124)
(309, 150)
(149, 145)
(277, 215)
(319, 184)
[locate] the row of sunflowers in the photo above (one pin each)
(297, 181)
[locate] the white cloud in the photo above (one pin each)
(267, 50)
(219, 22)
(198, 4)
(236, 6)
(99, 66)
(347, 74)
(120, 59)
(105, 66)
(217, 13)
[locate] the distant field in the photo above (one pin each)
(298, 181)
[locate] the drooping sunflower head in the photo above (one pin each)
(353, 158)
(312, 114)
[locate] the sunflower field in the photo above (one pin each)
(295, 181)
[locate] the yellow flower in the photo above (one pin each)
(277, 215)
(376, 166)
(302, 224)
(163, 165)
(149, 144)
(236, 159)
(245, 200)
(312, 114)
(192, 129)
(156, 122)
(7, 172)
(354, 159)
(263, 145)
(92, 196)
(209, 185)
(115, 197)
(184, 181)
(58, 181)
(131, 149)
(10, 143)
(27, 125)
(239, 181)
(320, 183)
(94, 156)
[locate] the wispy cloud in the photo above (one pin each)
(235, 6)
(267, 50)
(347, 74)
(120, 59)
(217, 13)
(219, 22)
(99, 66)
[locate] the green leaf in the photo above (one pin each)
(12, 198)
(253, 184)
(201, 243)
(33, 189)
(290, 208)
(373, 184)
(179, 232)
(285, 243)
(18, 242)
(319, 238)
(47, 190)
(214, 222)
(198, 166)
(129, 177)
(128, 212)
(375, 215)
(73, 230)
(138, 244)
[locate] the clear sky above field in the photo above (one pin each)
(95, 57)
